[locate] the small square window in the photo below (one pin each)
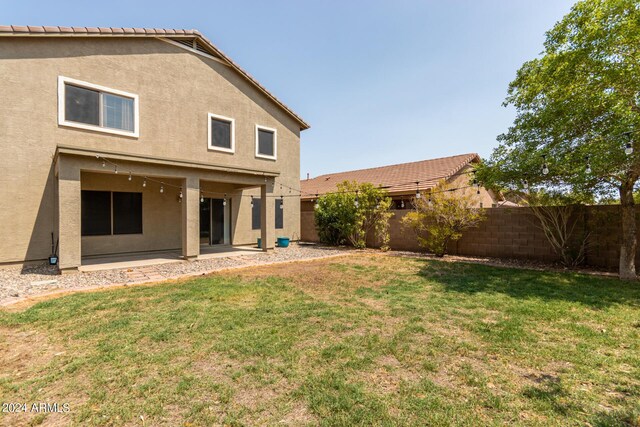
(266, 142)
(221, 133)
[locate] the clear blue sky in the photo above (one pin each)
(380, 82)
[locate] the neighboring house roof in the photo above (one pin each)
(200, 44)
(507, 204)
(398, 179)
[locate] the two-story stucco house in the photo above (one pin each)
(125, 140)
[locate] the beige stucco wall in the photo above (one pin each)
(485, 199)
(176, 90)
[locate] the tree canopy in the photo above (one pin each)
(577, 105)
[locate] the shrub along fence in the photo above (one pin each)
(514, 233)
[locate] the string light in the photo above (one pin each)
(300, 192)
(252, 200)
(545, 167)
(628, 148)
(588, 168)
(291, 189)
(201, 197)
(104, 164)
(402, 204)
(130, 176)
(115, 170)
(281, 202)
(180, 194)
(224, 201)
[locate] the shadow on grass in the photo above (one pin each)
(593, 291)
(625, 417)
(551, 394)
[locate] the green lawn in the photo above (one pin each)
(364, 339)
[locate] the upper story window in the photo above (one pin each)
(87, 106)
(221, 133)
(266, 142)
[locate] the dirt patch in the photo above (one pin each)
(23, 351)
(388, 375)
(24, 354)
(299, 414)
(375, 304)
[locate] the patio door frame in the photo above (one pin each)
(226, 222)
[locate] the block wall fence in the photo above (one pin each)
(513, 233)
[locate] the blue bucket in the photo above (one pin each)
(283, 242)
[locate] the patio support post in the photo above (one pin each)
(190, 217)
(69, 216)
(267, 219)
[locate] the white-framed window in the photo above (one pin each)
(266, 142)
(222, 133)
(93, 107)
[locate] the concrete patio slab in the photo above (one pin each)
(145, 259)
(113, 262)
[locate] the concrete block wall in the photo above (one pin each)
(515, 233)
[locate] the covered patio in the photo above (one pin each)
(171, 195)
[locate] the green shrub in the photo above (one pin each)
(352, 214)
(441, 217)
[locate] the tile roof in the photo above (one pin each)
(396, 179)
(18, 30)
(30, 29)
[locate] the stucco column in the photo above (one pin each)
(267, 219)
(69, 216)
(190, 217)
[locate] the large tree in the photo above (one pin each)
(578, 113)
